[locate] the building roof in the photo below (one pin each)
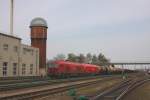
(11, 36)
(38, 22)
(29, 46)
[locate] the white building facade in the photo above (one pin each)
(17, 59)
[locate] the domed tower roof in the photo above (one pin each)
(38, 22)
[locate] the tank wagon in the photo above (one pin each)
(63, 69)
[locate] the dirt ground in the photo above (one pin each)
(88, 90)
(140, 93)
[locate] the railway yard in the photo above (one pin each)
(108, 87)
(111, 87)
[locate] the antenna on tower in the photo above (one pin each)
(11, 16)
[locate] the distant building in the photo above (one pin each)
(17, 59)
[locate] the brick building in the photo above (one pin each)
(38, 39)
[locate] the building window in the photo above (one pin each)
(24, 51)
(15, 49)
(5, 47)
(31, 68)
(14, 68)
(31, 52)
(23, 69)
(5, 64)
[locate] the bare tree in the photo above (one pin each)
(81, 58)
(72, 57)
(94, 60)
(60, 57)
(89, 58)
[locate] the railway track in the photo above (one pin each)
(34, 83)
(36, 79)
(119, 91)
(23, 80)
(51, 91)
(13, 81)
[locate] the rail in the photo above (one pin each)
(119, 91)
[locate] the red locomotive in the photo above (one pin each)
(67, 69)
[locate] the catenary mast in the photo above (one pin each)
(11, 16)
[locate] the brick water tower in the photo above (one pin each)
(38, 39)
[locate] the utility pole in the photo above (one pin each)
(11, 16)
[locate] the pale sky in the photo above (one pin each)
(120, 29)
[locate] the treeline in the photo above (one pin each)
(99, 59)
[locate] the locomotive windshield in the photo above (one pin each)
(52, 64)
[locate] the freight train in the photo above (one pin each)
(63, 69)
